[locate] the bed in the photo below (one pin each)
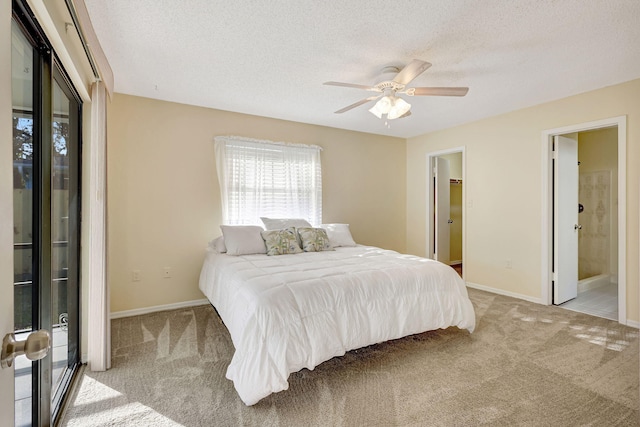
(285, 313)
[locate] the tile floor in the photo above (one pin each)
(601, 302)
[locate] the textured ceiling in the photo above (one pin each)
(270, 58)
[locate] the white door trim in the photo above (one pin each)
(7, 390)
(430, 232)
(547, 213)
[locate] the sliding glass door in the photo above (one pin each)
(65, 227)
(23, 58)
(46, 180)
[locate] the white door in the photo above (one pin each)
(7, 396)
(441, 209)
(565, 218)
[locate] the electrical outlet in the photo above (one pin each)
(136, 276)
(508, 264)
(166, 272)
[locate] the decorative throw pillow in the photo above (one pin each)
(281, 242)
(282, 223)
(243, 239)
(314, 239)
(218, 245)
(339, 235)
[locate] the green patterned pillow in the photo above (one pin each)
(281, 242)
(314, 239)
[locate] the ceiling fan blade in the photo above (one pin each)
(352, 85)
(411, 71)
(357, 104)
(437, 91)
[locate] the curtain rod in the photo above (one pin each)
(265, 141)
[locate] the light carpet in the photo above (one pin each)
(526, 364)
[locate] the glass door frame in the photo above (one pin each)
(41, 210)
(46, 69)
(74, 145)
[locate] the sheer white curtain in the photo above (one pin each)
(270, 179)
(98, 327)
(99, 324)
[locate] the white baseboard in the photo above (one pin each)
(633, 324)
(594, 282)
(505, 293)
(155, 308)
(194, 303)
(456, 262)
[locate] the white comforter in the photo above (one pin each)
(289, 312)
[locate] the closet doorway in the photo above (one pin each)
(586, 218)
(445, 228)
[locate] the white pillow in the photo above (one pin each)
(282, 223)
(339, 235)
(218, 245)
(243, 239)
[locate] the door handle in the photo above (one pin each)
(35, 347)
(450, 221)
(577, 227)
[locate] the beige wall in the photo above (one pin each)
(504, 157)
(455, 208)
(163, 194)
(455, 212)
(455, 164)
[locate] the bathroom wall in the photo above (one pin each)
(598, 238)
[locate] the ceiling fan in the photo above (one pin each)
(389, 103)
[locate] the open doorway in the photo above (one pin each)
(585, 218)
(445, 197)
(597, 290)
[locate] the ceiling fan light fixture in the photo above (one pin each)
(389, 105)
(381, 107)
(374, 110)
(400, 107)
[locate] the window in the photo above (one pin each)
(264, 178)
